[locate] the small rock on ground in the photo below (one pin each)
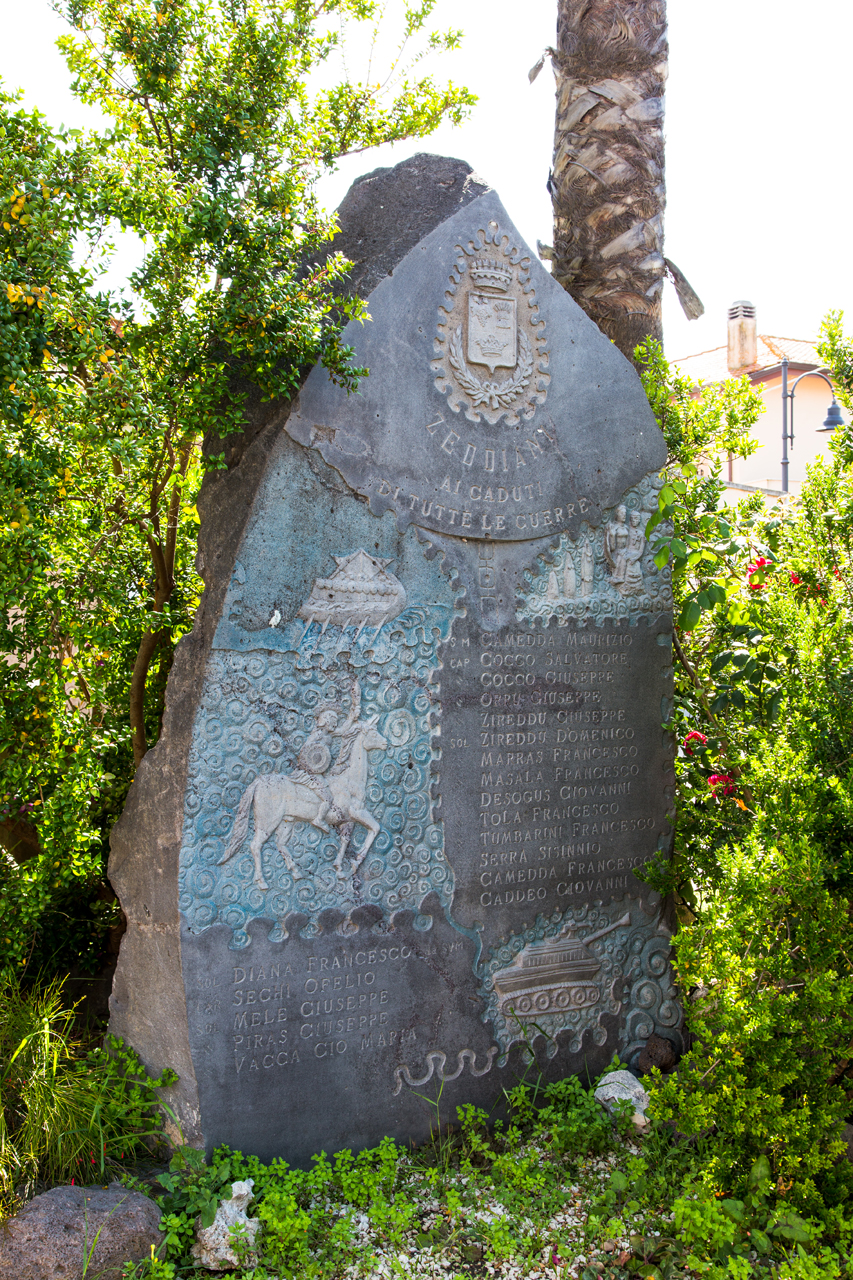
(657, 1052)
(619, 1085)
(70, 1232)
(215, 1246)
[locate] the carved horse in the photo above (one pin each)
(279, 802)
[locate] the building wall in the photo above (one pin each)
(764, 469)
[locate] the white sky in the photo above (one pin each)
(757, 125)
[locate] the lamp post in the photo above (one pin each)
(831, 421)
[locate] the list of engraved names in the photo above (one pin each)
(562, 754)
(309, 1008)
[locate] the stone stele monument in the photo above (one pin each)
(412, 755)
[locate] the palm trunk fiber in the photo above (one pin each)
(607, 183)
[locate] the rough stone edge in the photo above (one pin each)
(383, 216)
(387, 212)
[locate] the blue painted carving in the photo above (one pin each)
(286, 710)
(585, 579)
(256, 717)
(651, 997)
(568, 970)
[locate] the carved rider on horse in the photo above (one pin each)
(315, 757)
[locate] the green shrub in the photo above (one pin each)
(192, 1190)
(510, 1198)
(767, 961)
(763, 714)
(65, 1117)
(577, 1123)
(106, 394)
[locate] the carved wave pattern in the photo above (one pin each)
(554, 585)
(528, 994)
(652, 998)
(257, 711)
(437, 1065)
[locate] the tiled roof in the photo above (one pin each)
(710, 366)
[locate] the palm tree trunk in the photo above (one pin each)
(607, 183)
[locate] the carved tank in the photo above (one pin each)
(549, 976)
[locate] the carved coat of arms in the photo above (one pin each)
(490, 323)
(492, 331)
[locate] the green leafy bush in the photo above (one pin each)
(308, 1215)
(767, 963)
(63, 1116)
(508, 1199)
(192, 1190)
(763, 714)
(221, 117)
(576, 1122)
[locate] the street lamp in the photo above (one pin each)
(831, 421)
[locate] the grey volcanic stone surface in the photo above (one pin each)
(70, 1232)
(412, 755)
(657, 1052)
(387, 212)
(147, 1005)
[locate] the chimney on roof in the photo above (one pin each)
(743, 336)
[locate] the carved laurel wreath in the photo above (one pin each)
(497, 395)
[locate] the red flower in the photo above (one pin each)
(757, 567)
(724, 782)
(693, 737)
(836, 572)
(795, 579)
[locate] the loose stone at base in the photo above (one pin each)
(622, 1086)
(232, 1237)
(71, 1232)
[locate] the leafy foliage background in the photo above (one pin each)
(220, 127)
(762, 865)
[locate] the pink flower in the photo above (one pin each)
(693, 737)
(724, 782)
(758, 566)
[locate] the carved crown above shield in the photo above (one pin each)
(491, 350)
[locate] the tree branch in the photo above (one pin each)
(145, 653)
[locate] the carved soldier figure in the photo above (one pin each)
(633, 584)
(569, 577)
(315, 756)
(616, 537)
(587, 569)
